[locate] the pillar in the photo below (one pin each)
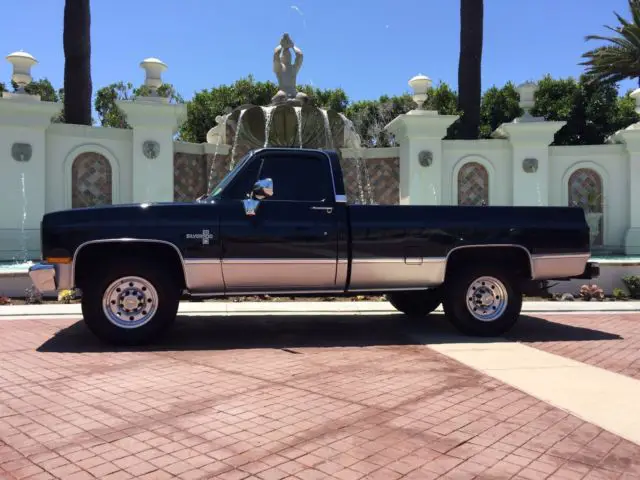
(631, 138)
(530, 138)
(24, 120)
(530, 156)
(154, 125)
(420, 137)
(155, 121)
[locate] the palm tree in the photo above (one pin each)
(77, 62)
(620, 58)
(469, 67)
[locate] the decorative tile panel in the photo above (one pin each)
(584, 190)
(366, 181)
(91, 181)
(583, 183)
(189, 176)
(217, 168)
(473, 185)
(384, 174)
(195, 174)
(351, 175)
(375, 180)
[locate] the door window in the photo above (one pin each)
(242, 185)
(296, 179)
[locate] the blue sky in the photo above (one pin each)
(367, 47)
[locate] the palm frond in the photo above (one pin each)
(619, 57)
(634, 7)
(621, 42)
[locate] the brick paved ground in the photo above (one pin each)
(297, 398)
(609, 341)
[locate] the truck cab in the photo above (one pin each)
(283, 223)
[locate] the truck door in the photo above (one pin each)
(290, 244)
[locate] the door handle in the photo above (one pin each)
(326, 209)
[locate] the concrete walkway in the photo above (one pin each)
(315, 308)
(606, 399)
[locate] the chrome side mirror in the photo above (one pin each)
(263, 188)
(250, 206)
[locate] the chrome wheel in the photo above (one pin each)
(130, 302)
(487, 299)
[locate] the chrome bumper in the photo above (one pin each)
(591, 271)
(47, 277)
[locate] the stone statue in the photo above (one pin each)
(286, 72)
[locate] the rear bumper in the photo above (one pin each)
(591, 270)
(47, 277)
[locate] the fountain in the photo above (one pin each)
(290, 120)
(20, 264)
(23, 234)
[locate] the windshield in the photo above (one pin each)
(228, 178)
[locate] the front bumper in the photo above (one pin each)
(47, 277)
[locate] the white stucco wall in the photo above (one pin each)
(66, 142)
(493, 155)
(611, 162)
(21, 211)
(48, 179)
(48, 183)
(23, 120)
(510, 184)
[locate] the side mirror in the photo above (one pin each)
(263, 188)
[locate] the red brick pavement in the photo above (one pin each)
(610, 341)
(295, 398)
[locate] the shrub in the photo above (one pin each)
(619, 294)
(632, 282)
(587, 292)
(32, 295)
(65, 296)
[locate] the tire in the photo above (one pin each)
(146, 284)
(501, 305)
(416, 303)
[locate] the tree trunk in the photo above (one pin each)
(77, 62)
(470, 67)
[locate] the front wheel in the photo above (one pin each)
(483, 301)
(131, 303)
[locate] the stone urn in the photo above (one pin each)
(593, 220)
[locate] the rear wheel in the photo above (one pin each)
(416, 303)
(483, 301)
(131, 303)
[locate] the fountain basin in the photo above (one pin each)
(251, 126)
(14, 280)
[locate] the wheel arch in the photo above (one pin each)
(109, 247)
(492, 252)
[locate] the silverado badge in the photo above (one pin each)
(206, 236)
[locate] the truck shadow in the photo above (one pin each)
(288, 332)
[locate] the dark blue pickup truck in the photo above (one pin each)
(279, 223)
